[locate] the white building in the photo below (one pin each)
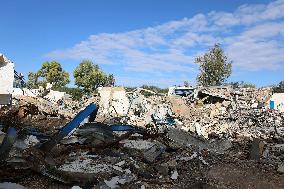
(6, 75)
(6, 79)
(276, 102)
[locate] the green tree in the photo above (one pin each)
(50, 72)
(53, 73)
(279, 88)
(110, 80)
(155, 89)
(242, 84)
(88, 76)
(214, 67)
(32, 82)
(76, 93)
(186, 84)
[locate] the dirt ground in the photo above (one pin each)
(226, 175)
(245, 175)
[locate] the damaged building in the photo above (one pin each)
(6, 80)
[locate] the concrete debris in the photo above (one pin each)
(116, 181)
(257, 149)
(76, 187)
(31, 140)
(113, 101)
(174, 175)
(137, 141)
(137, 144)
(9, 185)
(280, 168)
(155, 151)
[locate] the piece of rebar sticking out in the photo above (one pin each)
(48, 145)
(7, 143)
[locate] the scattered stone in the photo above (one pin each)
(256, 149)
(9, 185)
(281, 168)
(162, 169)
(155, 151)
(174, 175)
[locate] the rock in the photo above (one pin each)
(31, 140)
(118, 180)
(2, 136)
(9, 185)
(76, 187)
(162, 169)
(171, 164)
(174, 175)
(137, 144)
(95, 134)
(165, 167)
(281, 168)
(113, 101)
(256, 149)
(181, 138)
(155, 151)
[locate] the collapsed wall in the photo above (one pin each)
(6, 75)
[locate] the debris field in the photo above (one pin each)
(215, 137)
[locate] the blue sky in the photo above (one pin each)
(146, 41)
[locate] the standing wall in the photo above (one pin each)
(6, 75)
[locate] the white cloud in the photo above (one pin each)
(259, 55)
(258, 48)
(250, 14)
(264, 31)
(252, 36)
(192, 39)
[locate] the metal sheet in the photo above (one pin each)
(47, 146)
(7, 143)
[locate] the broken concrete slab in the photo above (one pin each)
(9, 185)
(155, 151)
(182, 139)
(137, 144)
(256, 149)
(113, 101)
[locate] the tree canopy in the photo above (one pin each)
(279, 88)
(214, 67)
(88, 76)
(50, 72)
(242, 84)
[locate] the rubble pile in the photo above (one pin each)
(208, 139)
(132, 108)
(241, 114)
(35, 112)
